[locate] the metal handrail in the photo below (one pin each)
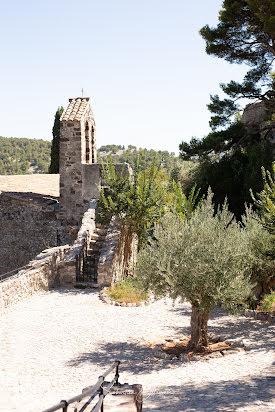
(89, 392)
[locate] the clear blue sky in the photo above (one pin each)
(142, 62)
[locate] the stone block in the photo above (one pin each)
(122, 397)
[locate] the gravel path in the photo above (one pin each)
(56, 343)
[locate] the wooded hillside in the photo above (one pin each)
(27, 156)
(24, 156)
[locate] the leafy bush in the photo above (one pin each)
(127, 291)
(268, 303)
(136, 201)
(262, 254)
(265, 200)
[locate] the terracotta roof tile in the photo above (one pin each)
(76, 108)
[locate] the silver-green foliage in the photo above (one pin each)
(205, 260)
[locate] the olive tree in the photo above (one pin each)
(204, 259)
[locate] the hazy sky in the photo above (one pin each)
(142, 62)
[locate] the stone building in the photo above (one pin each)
(80, 174)
(37, 212)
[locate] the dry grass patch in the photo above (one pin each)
(126, 291)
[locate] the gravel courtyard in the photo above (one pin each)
(56, 343)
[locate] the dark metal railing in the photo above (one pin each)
(12, 273)
(80, 262)
(95, 390)
(86, 264)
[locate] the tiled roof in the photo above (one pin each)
(76, 108)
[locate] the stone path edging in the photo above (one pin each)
(237, 345)
(106, 299)
(263, 316)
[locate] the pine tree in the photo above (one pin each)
(54, 166)
(245, 34)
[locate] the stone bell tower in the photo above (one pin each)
(77, 153)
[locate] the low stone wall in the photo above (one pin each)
(263, 316)
(26, 228)
(40, 274)
(68, 267)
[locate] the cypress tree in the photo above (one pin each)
(54, 166)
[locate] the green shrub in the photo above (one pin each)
(127, 291)
(268, 303)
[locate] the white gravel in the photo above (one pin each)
(56, 343)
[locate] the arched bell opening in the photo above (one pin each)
(88, 144)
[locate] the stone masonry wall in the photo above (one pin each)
(26, 229)
(41, 274)
(71, 206)
(52, 267)
(67, 268)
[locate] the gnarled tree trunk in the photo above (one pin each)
(125, 249)
(199, 335)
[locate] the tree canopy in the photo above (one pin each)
(130, 155)
(245, 34)
(229, 158)
(204, 259)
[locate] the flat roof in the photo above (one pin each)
(45, 184)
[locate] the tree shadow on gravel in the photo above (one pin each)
(134, 358)
(214, 397)
(260, 334)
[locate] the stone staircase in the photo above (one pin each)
(92, 258)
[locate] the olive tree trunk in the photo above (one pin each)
(125, 249)
(199, 335)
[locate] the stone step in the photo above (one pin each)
(96, 236)
(93, 251)
(100, 226)
(93, 266)
(101, 231)
(96, 242)
(93, 285)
